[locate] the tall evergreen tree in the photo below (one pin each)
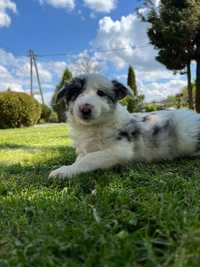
(59, 107)
(133, 103)
(66, 77)
(132, 81)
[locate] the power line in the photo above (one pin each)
(120, 49)
(67, 54)
(54, 55)
(70, 54)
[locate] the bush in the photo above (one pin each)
(18, 110)
(153, 107)
(134, 103)
(46, 113)
(53, 117)
(60, 110)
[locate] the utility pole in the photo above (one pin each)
(38, 77)
(33, 64)
(31, 70)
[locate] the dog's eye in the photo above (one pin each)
(101, 93)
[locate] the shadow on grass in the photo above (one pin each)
(140, 174)
(9, 146)
(65, 156)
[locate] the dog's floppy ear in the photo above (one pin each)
(71, 90)
(62, 93)
(120, 90)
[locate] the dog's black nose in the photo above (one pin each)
(86, 110)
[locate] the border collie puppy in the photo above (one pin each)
(106, 134)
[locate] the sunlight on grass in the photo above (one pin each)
(28, 146)
(141, 215)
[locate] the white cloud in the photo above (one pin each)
(24, 72)
(68, 4)
(7, 80)
(47, 97)
(5, 6)
(158, 91)
(15, 74)
(101, 5)
(125, 42)
(155, 75)
(84, 63)
(122, 36)
(105, 6)
(4, 73)
(156, 2)
(56, 67)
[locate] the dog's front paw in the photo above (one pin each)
(62, 173)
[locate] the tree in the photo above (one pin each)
(85, 64)
(175, 31)
(59, 107)
(67, 76)
(132, 81)
(133, 103)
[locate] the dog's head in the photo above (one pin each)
(91, 98)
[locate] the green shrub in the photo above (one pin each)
(134, 103)
(152, 107)
(53, 117)
(18, 110)
(60, 109)
(46, 113)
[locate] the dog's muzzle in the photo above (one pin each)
(86, 111)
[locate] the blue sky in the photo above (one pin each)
(75, 27)
(46, 29)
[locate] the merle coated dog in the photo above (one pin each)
(106, 134)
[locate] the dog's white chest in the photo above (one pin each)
(92, 140)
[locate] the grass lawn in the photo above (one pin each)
(147, 215)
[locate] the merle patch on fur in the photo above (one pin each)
(120, 90)
(124, 135)
(72, 90)
(131, 131)
(145, 118)
(135, 133)
(158, 129)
